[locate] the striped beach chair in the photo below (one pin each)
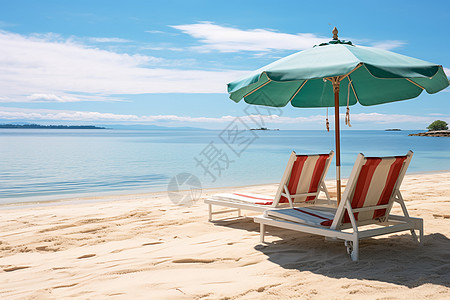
(301, 184)
(372, 189)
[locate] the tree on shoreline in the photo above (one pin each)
(438, 125)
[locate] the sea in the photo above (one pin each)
(38, 165)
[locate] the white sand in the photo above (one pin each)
(143, 246)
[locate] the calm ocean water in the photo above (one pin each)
(45, 164)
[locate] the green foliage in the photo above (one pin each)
(438, 125)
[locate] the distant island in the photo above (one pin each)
(263, 128)
(393, 129)
(37, 126)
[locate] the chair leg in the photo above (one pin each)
(418, 225)
(261, 232)
(421, 232)
(210, 212)
(355, 252)
(239, 212)
(421, 236)
(353, 249)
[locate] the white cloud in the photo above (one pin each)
(388, 118)
(160, 32)
(9, 113)
(108, 40)
(52, 98)
(388, 45)
(228, 39)
(155, 31)
(49, 65)
(61, 98)
(154, 48)
(362, 118)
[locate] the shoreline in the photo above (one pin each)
(113, 197)
(117, 197)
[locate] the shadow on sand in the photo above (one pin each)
(395, 259)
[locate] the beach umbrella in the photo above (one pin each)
(335, 74)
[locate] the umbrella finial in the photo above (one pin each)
(335, 33)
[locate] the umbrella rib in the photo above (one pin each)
(353, 89)
(251, 92)
(348, 74)
(341, 77)
(298, 90)
(415, 83)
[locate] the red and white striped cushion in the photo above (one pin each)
(375, 185)
(305, 176)
(245, 198)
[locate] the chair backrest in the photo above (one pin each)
(303, 175)
(372, 186)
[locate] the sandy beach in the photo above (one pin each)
(144, 246)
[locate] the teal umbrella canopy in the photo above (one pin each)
(367, 75)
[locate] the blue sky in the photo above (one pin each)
(167, 63)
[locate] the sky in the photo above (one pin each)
(167, 63)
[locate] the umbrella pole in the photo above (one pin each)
(336, 82)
